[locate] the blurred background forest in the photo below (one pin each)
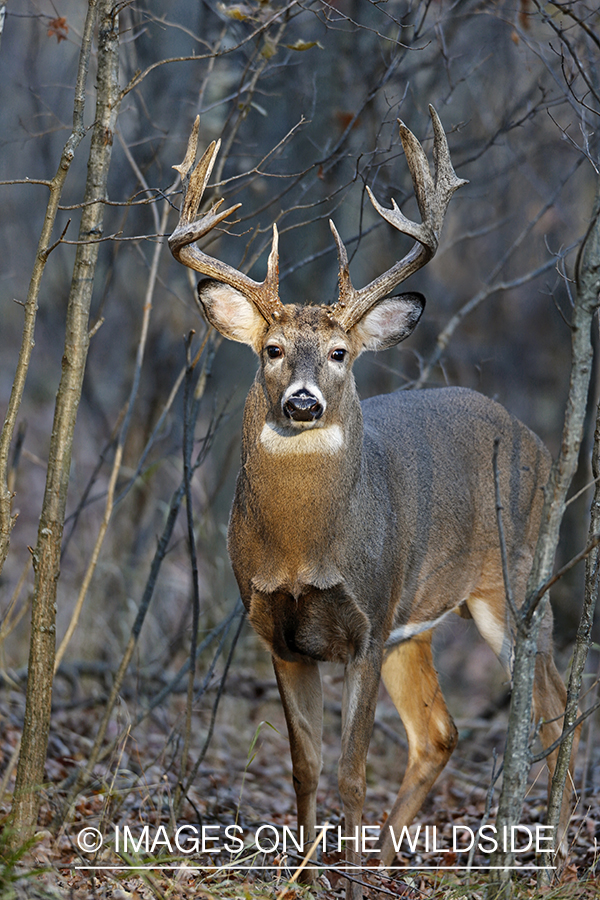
(305, 96)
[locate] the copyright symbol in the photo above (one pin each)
(89, 840)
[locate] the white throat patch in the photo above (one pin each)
(274, 439)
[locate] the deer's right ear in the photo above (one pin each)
(231, 313)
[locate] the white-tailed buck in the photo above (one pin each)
(357, 527)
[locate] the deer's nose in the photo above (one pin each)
(303, 407)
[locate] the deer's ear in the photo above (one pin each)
(389, 321)
(231, 313)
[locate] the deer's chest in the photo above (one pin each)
(325, 625)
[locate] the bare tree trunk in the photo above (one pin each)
(589, 286)
(46, 557)
(517, 759)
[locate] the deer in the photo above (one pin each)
(358, 527)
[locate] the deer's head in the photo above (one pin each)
(307, 353)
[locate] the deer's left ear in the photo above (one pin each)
(389, 321)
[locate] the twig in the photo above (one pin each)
(188, 440)
(31, 304)
(116, 467)
(306, 860)
(543, 754)
(444, 337)
(505, 573)
(159, 555)
(213, 716)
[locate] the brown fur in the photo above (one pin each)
(355, 527)
(338, 552)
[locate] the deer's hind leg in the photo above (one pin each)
(549, 693)
(549, 701)
(412, 682)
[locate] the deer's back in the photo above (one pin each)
(435, 450)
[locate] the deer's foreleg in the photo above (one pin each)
(302, 698)
(361, 684)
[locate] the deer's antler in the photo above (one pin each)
(433, 196)
(265, 294)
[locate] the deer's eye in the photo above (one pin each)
(274, 352)
(338, 355)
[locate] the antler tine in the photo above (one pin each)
(346, 291)
(433, 195)
(265, 294)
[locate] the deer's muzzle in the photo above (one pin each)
(303, 407)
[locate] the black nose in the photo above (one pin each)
(302, 407)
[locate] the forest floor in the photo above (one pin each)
(244, 784)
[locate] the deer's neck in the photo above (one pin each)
(292, 492)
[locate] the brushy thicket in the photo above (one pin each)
(305, 97)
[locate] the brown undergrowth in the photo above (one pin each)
(244, 784)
